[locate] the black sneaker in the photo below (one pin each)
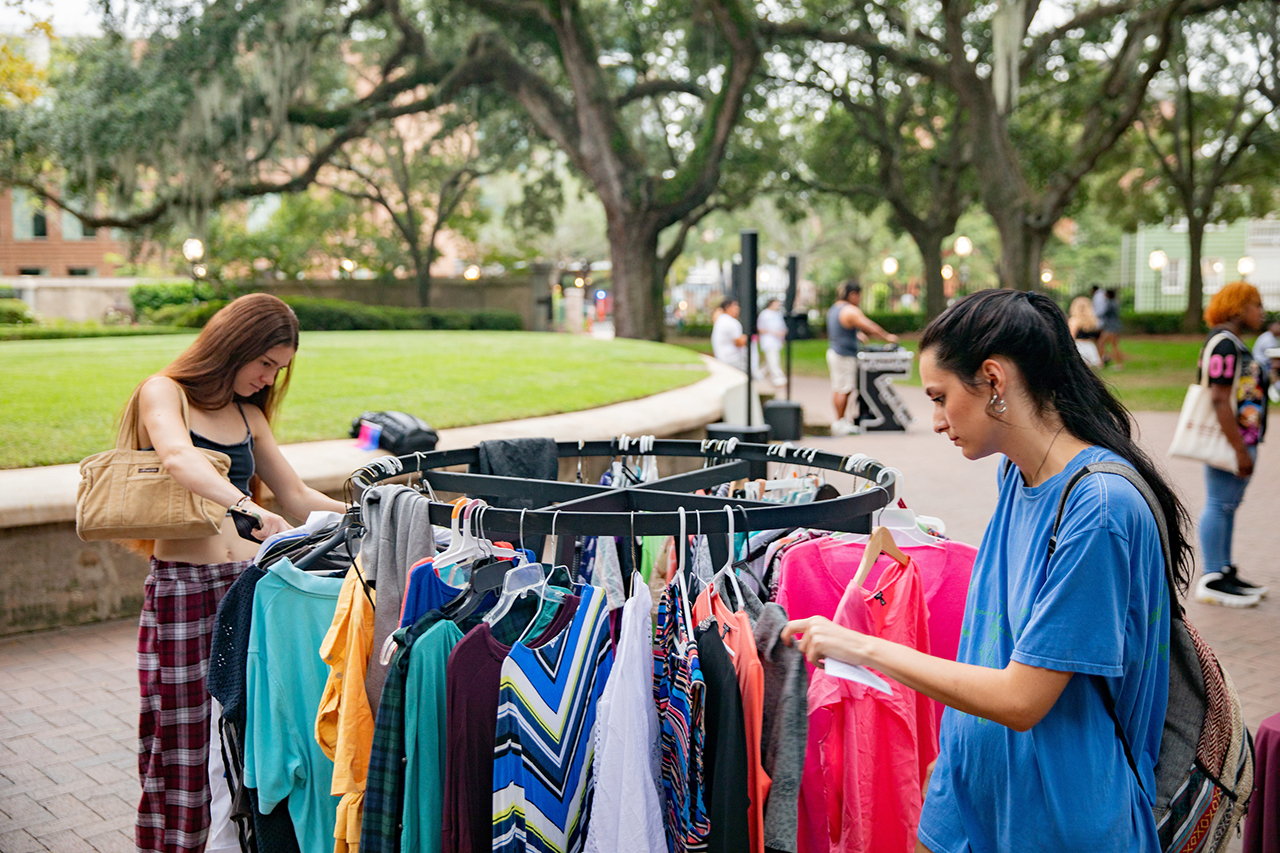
(1217, 588)
(1232, 573)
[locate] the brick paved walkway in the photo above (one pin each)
(68, 740)
(68, 698)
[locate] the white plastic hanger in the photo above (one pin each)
(789, 478)
(492, 549)
(518, 582)
(547, 594)
(899, 519)
(727, 568)
(686, 612)
(649, 462)
(462, 548)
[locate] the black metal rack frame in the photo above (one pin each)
(646, 509)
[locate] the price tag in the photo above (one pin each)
(857, 674)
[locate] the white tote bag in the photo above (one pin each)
(1199, 435)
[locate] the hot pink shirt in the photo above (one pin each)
(815, 573)
(867, 750)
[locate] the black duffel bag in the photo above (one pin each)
(401, 433)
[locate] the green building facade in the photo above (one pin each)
(1154, 262)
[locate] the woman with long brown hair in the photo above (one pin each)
(231, 378)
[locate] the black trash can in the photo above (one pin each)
(785, 419)
(759, 470)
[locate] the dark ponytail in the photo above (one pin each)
(1030, 330)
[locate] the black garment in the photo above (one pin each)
(228, 660)
(525, 458)
(725, 767)
(241, 454)
(1082, 335)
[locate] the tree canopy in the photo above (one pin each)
(665, 110)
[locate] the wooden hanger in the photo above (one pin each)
(881, 542)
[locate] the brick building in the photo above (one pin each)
(40, 240)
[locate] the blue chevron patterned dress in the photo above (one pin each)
(542, 780)
(679, 690)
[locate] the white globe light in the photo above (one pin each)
(1246, 265)
(1157, 260)
(1046, 276)
(192, 249)
(964, 246)
(947, 271)
(890, 265)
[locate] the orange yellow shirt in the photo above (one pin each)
(344, 723)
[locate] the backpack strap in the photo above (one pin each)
(1162, 526)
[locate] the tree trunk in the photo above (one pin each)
(935, 295)
(637, 291)
(422, 275)
(1195, 281)
(1021, 247)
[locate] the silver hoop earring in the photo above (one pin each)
(998, 405)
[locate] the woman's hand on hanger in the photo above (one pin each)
(1017, 696)
(269, 523)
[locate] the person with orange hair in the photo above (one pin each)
(1238, 392)
(219, 394)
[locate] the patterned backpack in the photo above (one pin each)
(1204, 773)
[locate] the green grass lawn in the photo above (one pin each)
(1154, 378)
(61, 398)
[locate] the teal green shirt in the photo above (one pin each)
(425, 737)
(285, 678)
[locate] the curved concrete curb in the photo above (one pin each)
(47, 495)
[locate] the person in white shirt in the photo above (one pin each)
(728, 341)
(1269, 340)
(773, 334)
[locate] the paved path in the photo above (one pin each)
(68, 698)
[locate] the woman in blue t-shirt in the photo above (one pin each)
(1029, 754)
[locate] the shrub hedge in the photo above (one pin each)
(81, 330)
(15, 312)
(337, 315)
(897, 323)
(1155, 322)
(151, 296)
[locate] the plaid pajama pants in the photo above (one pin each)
(174, 636)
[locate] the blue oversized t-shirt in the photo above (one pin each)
(1099, 606)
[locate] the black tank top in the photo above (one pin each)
(241, 454)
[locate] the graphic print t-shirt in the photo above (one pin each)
(1228, 360)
